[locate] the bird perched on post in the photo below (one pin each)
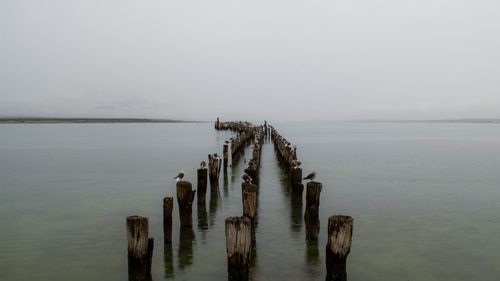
(246, 178)
(296, 164)
(203, 164)
(180, 176)
(311, 176)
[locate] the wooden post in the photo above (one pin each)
(185, 197)
(338, 247)
(213, 172)
(249, 205)
(253, 173)
(296, 179)
(201, 187)
(311, 215)
(168, 206)
(225, 156)
(248, 187)
(139, 253)
(238, 244)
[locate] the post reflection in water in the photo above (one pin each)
(185, 250)
(202, 219)
(296, 211)
(168, 259)
(214, 205)
(313, 260)
(226, 185)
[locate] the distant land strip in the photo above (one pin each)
(433, 121)
(87, 120)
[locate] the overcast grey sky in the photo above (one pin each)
(259, 59)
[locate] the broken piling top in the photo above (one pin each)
(238, 245)
(185, 197)
(137, 236)
(340, 235)
(338, 247)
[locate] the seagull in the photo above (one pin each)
(311, 176)
(246, 178)
(296, 163)
(180, 176)
(203, 164)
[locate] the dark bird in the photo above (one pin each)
(311, 176)
(203, 164)
(180, 176)
(246, 178)
(296, 163)
(226, 142)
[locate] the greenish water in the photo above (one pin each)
(424, 197)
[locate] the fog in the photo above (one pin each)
(274, 60)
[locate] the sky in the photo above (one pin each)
(240, 59)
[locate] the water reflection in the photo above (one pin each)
(214, 206)
(168, 259)
(202, 220)
(185, 250)
(296, 217)
(226, 185)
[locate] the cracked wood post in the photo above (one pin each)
(296, 180)
(311, 215)
(139, 249)
(168, 206)
(338, 247)
(225, 153)
(185, 197)
(253, 173)
(238, 245)
(249, 201)
(201, 187)
(213, 172)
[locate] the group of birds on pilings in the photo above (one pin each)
(339, 226)
(251, 174)
(288, 154)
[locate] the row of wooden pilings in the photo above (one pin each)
(240, 231)
(339, 226)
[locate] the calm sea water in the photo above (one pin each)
(424, 197)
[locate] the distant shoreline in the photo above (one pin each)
(432, 121)
(87, 120)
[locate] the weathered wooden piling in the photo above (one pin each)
(248, 187)
(214, 164)
(185, 197)
(168, 206)
(249, 201)
(140, 249)
(296, 180)
(253, 173)
(201, 186)
(338, 247)
(225, 155)
(311, 215)
(238, 245)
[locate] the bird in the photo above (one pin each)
(180, 176)
(246, 178)
(311, 176)
(203, 164)
(296, 163)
